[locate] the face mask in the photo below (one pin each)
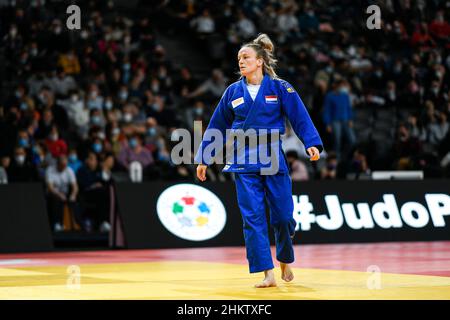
(34, 52)
(54, 137)
(97, 147)
(74, 98)
(73, 158)
(13, 32)
(132, 143)
(94, 94)
(343, 90)
(198, 111)
(126, 66)
(155, 87)
(123, 95)
(23, 106)
(156, 107)
(96, 120)
(43, 99)
(127, 117)
(20, 159)
(18, 94)
(101, 135)
(23, 142)
(151, 131)
(108, 105)
(115, 131)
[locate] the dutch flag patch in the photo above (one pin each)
(271, 99)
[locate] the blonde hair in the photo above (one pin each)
(264, 49)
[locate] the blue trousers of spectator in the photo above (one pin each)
(341, 129)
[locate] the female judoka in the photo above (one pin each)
(261, 100)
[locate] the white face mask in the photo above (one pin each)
(127, 117)
(20, 159)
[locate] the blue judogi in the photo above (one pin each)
(276, 100)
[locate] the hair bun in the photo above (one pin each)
(264, 41)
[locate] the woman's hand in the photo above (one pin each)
(313, 153)
(201, 172)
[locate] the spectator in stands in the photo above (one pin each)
(329, 171)
(358, 164)
(91, 193)
(21, 170)
(203, 24)
(134, 151)
(440, 28)
(214, 86)
(406, 148)
(4, 163)
(55, 145)
(73, 162)
(297, 168)
(62, 190)
(338, 116)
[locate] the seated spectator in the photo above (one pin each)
(329, 171)
(203, 24)
(134, 151)
(92, 193)
(297, 168)
(62, 189)
(358, 164)
(55, 145)
(22, 170)
(74, 163)
(406, 148)
(212, 88)
(69, 62)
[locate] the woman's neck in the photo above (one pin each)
(255, 78)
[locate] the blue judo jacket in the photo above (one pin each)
(276, 100)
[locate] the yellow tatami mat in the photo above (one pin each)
(206, 280)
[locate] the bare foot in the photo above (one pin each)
(269, 280)
(286, 272)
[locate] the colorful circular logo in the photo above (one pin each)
(191, 212)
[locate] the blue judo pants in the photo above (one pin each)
(252, 189)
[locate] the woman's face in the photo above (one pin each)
(248, 62)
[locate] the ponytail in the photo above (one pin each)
(264, 49)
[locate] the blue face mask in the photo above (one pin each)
(151, 131)
(23, 142)
(132, 143)
(73, 158)
(23, 106)
(198, 111)
(97, 147)
(96, 120)
(108, 105)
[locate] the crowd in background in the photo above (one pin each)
(78, 107)
(379, 97)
